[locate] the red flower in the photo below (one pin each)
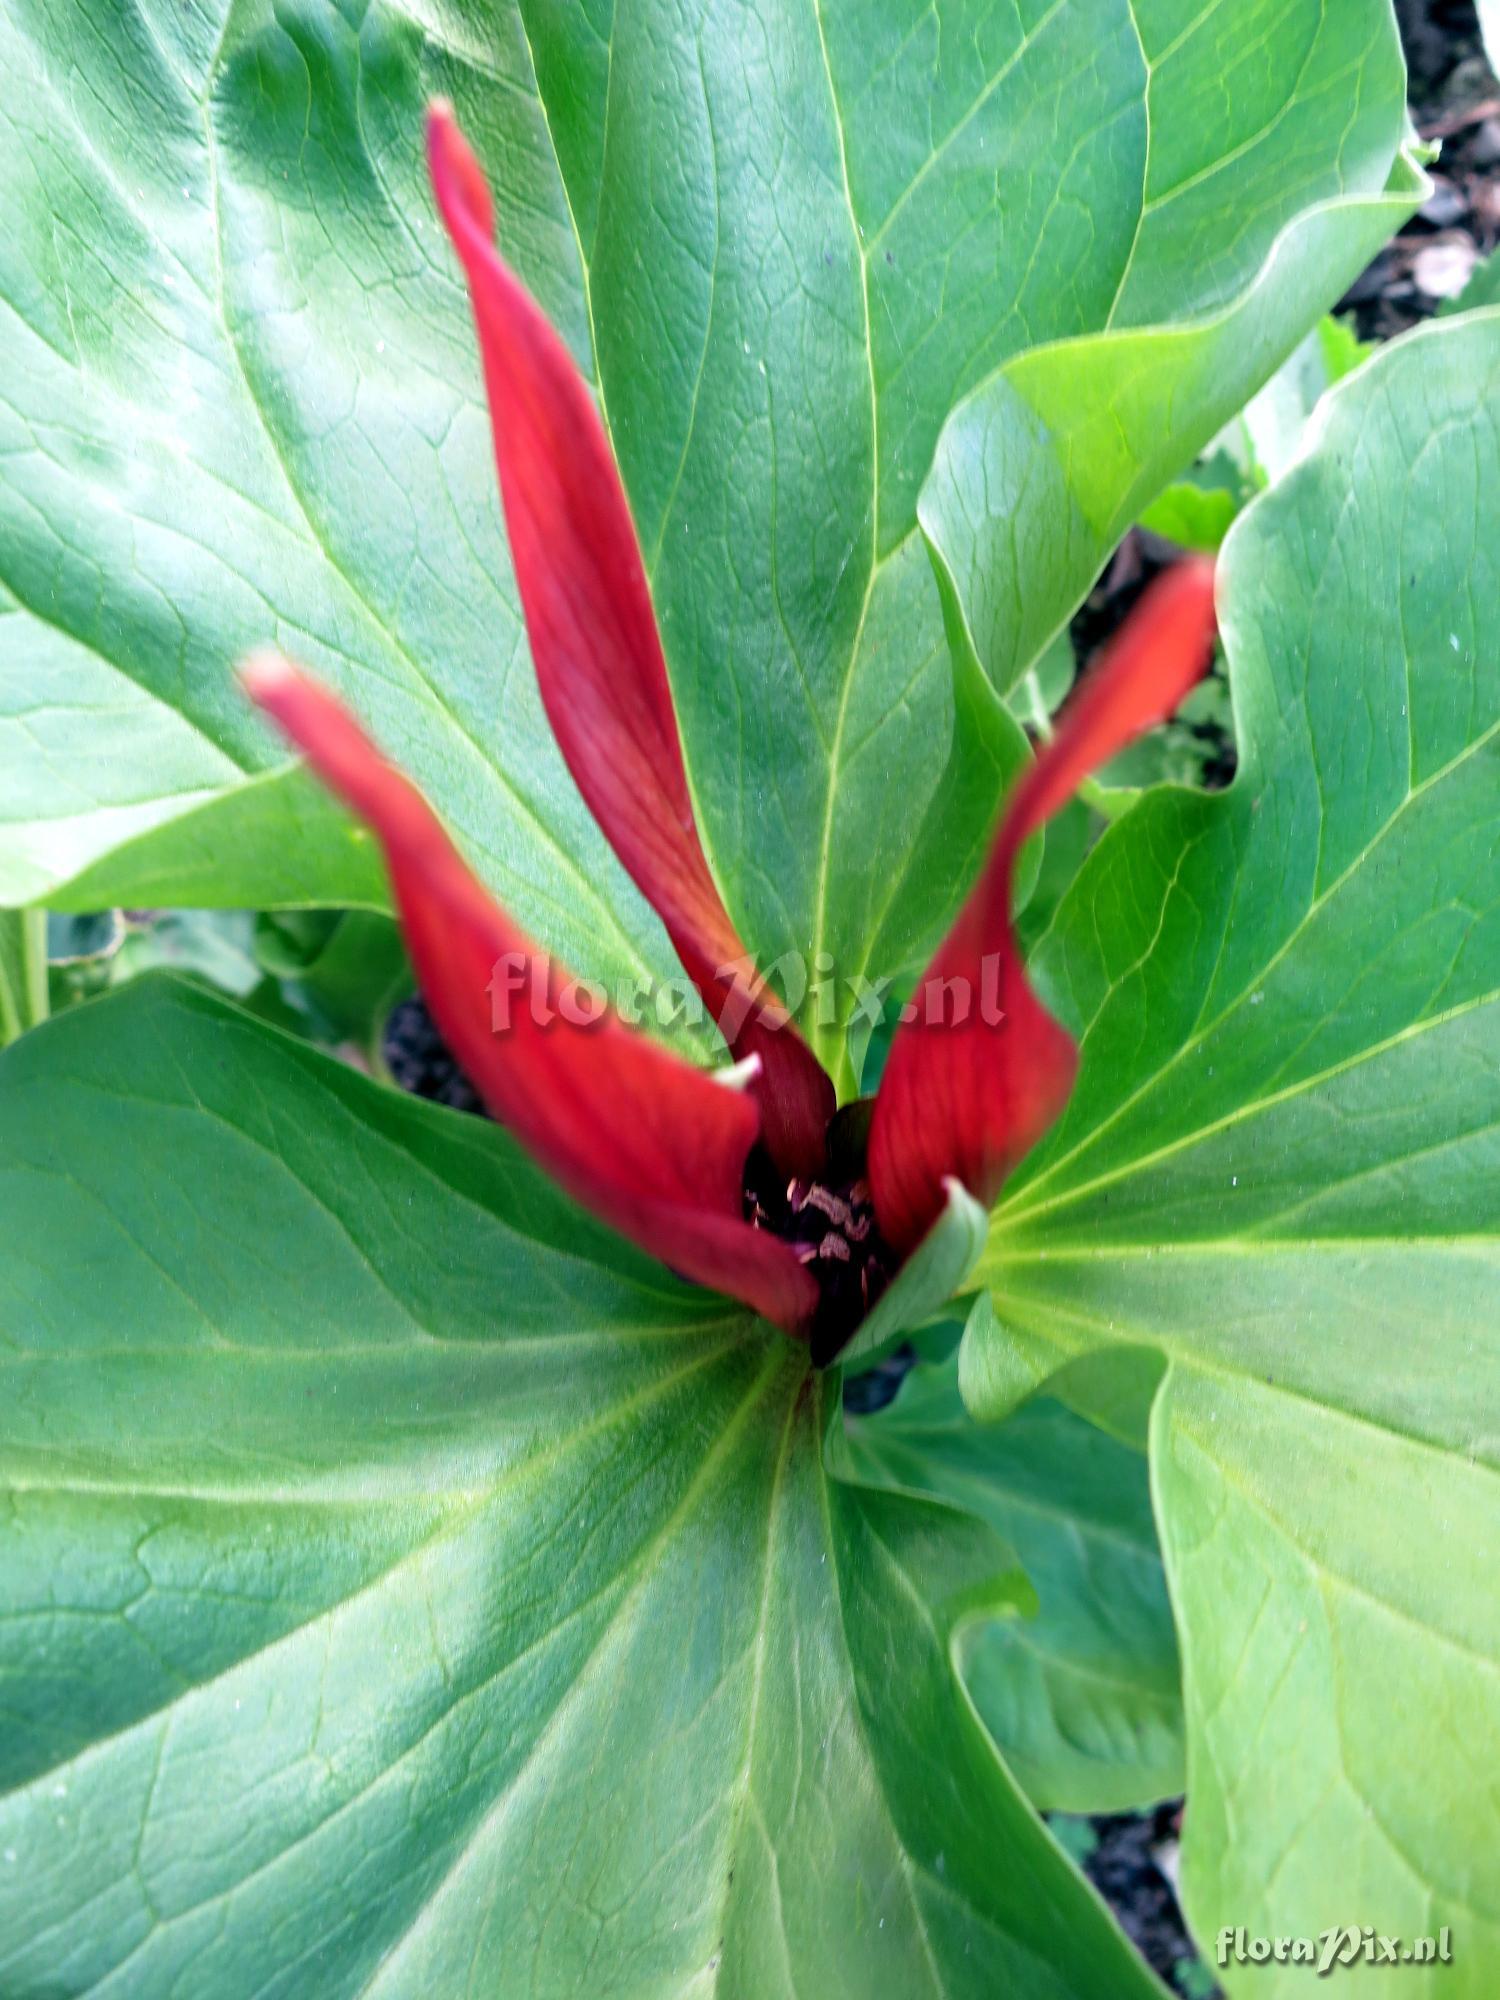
(730, 1182)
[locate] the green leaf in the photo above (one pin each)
(934, 1272)
(23, 972)
(1336, 1586)
(222, 264)
(224, 268)
(410, 1590)
(1083, 1699)
(1277, 1169)
(1195, 517)
(1076, 438)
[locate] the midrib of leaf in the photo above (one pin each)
(451, 1527)
(1328, 1583)
(1140, 220)
(653, 561)
(23, 972)
(992, 84)
(980, 1489)
(215, 300)
(1338, 1580)
(315, 1494)
(1025, 1208)
(746, 1801)
(1115, 1333)
(856, 1714)
(846, 1080)
(642, 1562)
(1029, 1211)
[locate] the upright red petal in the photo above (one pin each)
(652, 1145)
(598, 655)
(969, 1096)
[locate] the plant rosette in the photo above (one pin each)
(436, 1561)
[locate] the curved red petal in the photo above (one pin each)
(652, 1145)
(598, 655)
(970, 1096)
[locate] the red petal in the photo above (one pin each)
(598, 656)
(652, 1145)
(970, 1098)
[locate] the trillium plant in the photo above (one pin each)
(973, 1306)
(749, 1190)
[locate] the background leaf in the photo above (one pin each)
(1277, 1171)
(1083, 1699)
(1076, 438)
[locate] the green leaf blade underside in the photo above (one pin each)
(1311, 1558)
(242, 404)
(1278, 1167)
(1083, 1699)
(410, 1590)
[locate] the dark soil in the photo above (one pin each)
(420, 1061)
(1125, 1866)
(1455, 102)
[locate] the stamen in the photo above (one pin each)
(833, 1233)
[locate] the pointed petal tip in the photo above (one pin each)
(970, 1100)
(458, 181)
(597, 651)
(264, 673)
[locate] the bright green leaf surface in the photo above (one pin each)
(1279, 1165)
(1083, 1699)
(240, 401)
(239, 408)
(1042, 469)
(1336, 1586)
(410, 1591)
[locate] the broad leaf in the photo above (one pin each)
(240, 403)
(1278, 1167)
(1083, 1699)
(408, 1590)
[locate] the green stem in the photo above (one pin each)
(23, 972)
